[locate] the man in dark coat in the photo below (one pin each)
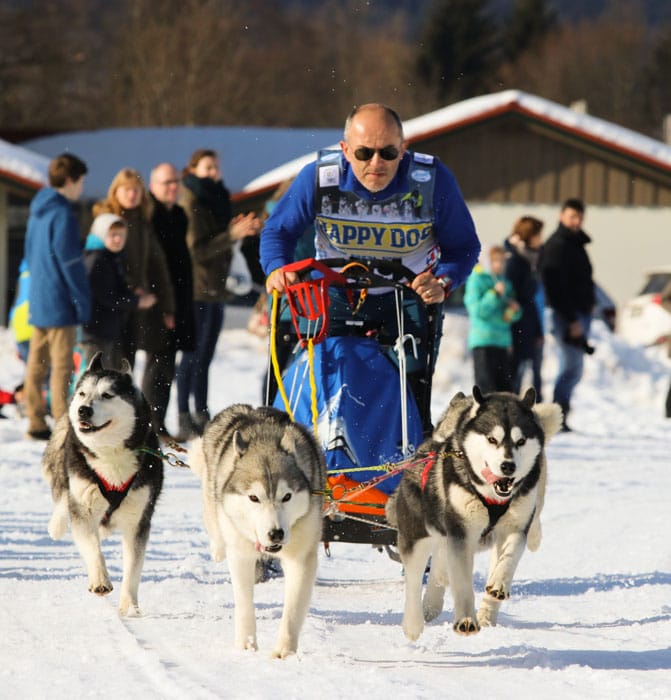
(170, 226)
(569, 288)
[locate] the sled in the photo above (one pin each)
(347, 381)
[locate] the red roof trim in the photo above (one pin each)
(34, 184)
(515, 106)
(512, 106)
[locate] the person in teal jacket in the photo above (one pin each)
(492, 308)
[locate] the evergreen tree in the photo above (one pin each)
(457, 49)
(530, 22)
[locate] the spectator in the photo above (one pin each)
(211, 232)
(59, 297)
(19, 314)
(524, 247)
(8, 398)
(665, 299)
(375, 181)
(170, 226)
(491, 306)
(113, 300)
(566, 272)
(146, 267)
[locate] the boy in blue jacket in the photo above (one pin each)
(59, 297)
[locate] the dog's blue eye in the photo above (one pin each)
(287, 497)
(254, 499)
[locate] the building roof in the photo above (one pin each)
(22, 167)
(478, 109)
(244, 152)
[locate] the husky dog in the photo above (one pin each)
(482, 487)
(262, 479)
(100, 478)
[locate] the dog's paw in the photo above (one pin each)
(58, 525)
(283, 649)
(498, 593)
(101, 588)
(218, 551)
(129, 607)
(535, 535)
(488, 613)
(247, 643)
(466, 626)
(129, 611)
(412, 628)
(433, 602)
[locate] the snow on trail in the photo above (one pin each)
(590, 613)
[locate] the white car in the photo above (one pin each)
(643, 320)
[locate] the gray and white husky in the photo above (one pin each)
(262, 478)
(101, 479)
(482, 486)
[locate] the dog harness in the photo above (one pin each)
(113, 494)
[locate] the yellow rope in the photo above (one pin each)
(313, 388)
(273, 355)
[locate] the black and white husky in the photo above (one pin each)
(263, 479)
(101, 478)
(482, 486)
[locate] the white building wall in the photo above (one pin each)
(626, 241)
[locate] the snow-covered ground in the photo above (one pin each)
(590, 614)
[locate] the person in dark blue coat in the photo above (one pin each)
(59, 297)
(113, 299)
(523, 248)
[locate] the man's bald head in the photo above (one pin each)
(164, 183)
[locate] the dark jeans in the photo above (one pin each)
(192, 375)
(492, 369)
(519, 367)
(159, 373)
(570, 359)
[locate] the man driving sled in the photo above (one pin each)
(375, 200)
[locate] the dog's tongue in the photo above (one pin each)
(489, 476)
(259, 547)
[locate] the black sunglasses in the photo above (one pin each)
(386, 153)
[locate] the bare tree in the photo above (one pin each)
(601, 61)
(47, 65)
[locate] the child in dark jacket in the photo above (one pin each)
(112, 298)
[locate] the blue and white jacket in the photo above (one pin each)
(439, 235)
(59, 290)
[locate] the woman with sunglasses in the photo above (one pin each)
(374, 199)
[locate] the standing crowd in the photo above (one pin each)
(150, 276)
(506, 306)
